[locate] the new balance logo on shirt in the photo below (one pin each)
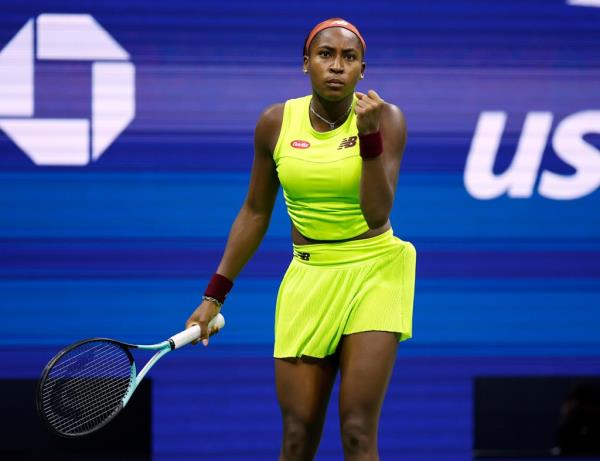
(348, 142)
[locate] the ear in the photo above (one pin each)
(305, 64)
(362, 69)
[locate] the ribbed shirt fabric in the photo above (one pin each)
(320, 174)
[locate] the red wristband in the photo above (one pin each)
(218, 287)
(371, 145)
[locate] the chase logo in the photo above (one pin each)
(62, 141)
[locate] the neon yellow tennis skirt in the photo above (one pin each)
(335, 289)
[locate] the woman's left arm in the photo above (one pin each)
(380, 174)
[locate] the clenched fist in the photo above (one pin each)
(368, 112)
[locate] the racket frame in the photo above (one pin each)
(39, 403)
(174, 342)
(163, 348)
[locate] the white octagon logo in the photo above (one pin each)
(61, 141)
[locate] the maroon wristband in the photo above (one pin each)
(218, 287)
(371, 145)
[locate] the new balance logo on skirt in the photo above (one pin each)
(302, 255)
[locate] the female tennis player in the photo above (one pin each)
(346, 298)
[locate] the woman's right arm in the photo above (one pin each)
(253, 219)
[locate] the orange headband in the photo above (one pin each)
(333, 22)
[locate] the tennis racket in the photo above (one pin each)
(88, 383)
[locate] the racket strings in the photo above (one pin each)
(89, 390)
(86, 420)
(69, 387)
(104, 362)
(108, 398)
(86, 386)
(75, 353)
(82, 402)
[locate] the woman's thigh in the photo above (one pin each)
(366, 363)
(304, 386)
(303, 390)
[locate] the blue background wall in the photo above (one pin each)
(123, 247)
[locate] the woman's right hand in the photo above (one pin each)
(203, 314)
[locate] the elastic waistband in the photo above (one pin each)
(342, 253)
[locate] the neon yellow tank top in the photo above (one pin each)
(320, 174)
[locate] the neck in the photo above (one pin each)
(333, 111)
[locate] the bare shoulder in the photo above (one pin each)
(393, 128)
(393, 116)
(272, 114)
(268, 126)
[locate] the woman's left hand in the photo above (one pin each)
(368, 112)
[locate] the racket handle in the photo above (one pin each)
(193, 333)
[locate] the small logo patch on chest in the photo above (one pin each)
(300, 144)
(348, 142)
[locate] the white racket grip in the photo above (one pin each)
(193, 333)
